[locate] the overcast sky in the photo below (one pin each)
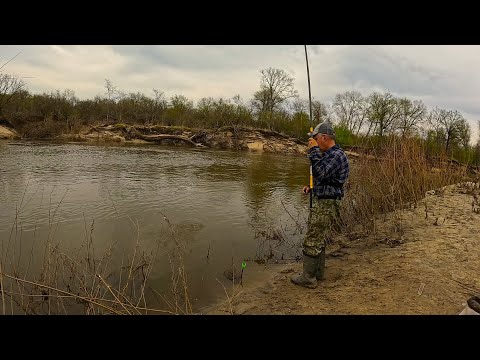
(445, 76)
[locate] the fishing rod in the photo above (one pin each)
(1, 67)
(311, 128)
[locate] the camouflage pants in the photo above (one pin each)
(322, 220)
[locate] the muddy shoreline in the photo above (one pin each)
(427, 265)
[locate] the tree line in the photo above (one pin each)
(359, 119)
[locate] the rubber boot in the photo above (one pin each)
(320, 275)
(307, 278)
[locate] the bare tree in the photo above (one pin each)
(205, 108)
(63, 104)
(412, 114)
(259, 103)
(382, 112)
(447, 126)
(110, 90)
(160, 104)
(464, 133)
(10, 85)
(181, 102)
(320, 112)
(300, 113)
(114, 96)
(349, 108)
(276, 86)
(452, 123)
(299, 105)
(160, 98)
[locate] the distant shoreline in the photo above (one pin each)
(228, 137)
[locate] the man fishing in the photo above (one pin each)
(330, 170)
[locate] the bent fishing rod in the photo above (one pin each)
(311, 127)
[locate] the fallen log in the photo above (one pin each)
(158, 138)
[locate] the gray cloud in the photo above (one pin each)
(374, 68)
(443, 76)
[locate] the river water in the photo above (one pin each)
(224, 206)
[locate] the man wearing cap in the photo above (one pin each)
(330, 170)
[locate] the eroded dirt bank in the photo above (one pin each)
(224, 138)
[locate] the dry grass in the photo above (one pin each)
(392, 177)
(396, 177)
(85, 281)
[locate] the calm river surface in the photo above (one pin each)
(217, 203)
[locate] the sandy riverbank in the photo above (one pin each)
(429, 266)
